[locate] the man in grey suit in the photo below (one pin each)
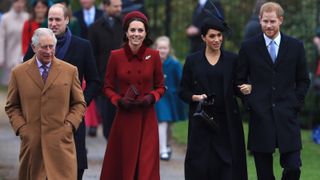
(274, 65)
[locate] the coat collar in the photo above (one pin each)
(34, 73)
(130, 54)
(282, 49)
(264, 50)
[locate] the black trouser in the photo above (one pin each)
(290, 162)
(107, 111)
(80, 174)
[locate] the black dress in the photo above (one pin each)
(213, 154)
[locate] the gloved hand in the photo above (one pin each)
(146, 100)
(126, 103)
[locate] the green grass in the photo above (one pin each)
(310, 154)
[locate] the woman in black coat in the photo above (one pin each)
(213, 153)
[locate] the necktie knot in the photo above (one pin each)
(272, 51)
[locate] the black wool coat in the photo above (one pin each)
(278, 92)
(200, 137)
(104, 38)
(83, 26)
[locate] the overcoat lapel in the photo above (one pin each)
(264, 50)
(34, 73)
(53, 74)
(282, 50)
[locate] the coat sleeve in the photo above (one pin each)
(77, 103)
(109, 87)
(93, 38)
(242, 68)
(159, 88)
(90, 74)
(185, 91)
(302, 77)
(236, 90)
(13, 105)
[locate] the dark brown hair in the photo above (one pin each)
(147, 41)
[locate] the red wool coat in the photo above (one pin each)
(133, 146)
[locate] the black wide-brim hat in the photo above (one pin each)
(214, 22)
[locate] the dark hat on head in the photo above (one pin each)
(214, 23)
(134, 14)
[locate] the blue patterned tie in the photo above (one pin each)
(44, 73)
(272, 51)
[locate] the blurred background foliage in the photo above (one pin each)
(300, 21)
(171, 17)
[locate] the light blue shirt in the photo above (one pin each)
(88, 15)
(276, 40)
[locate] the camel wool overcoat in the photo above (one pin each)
(38, 111)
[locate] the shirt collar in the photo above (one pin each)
(91, 10)
(276, 40)
(39, 64)
(202, 2)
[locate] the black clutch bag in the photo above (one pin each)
(202, 115)
(132, 92)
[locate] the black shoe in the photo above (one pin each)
(92, 132)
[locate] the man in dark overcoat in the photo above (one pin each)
(86, 16)
(275, 66)
(105, 35)
(77, 52)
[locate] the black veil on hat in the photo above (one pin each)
(214, 21)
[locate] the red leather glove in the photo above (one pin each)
(146, 100)
(126, 103)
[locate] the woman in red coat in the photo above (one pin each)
(134, 82)
(37, 19)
